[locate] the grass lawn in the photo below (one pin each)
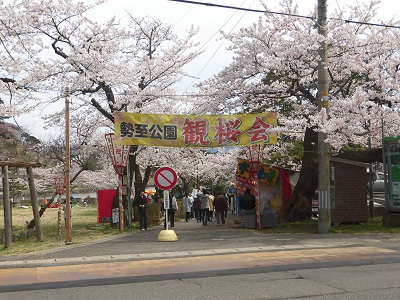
(374, 225)
(84, 229)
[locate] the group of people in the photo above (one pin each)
(203, 206)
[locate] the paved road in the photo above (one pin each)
(209, 255)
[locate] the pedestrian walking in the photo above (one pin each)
(205, 205)
(173, 207)
(197, 207)
(220, 206)
(187, 206)
(141, 203)
(232, 204)
(191, 210)
(210, 207)
(226, 198)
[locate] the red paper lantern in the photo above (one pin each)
(118, 153)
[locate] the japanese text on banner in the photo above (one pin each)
(194, 130)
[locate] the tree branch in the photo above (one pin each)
(102, 110)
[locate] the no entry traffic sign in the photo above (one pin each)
(165, 178)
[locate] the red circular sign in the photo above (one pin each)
(165, 178)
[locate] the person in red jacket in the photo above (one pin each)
(220, 206)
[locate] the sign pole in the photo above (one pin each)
(165, 178)
(166, 207)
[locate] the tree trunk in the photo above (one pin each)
(185, 185)
(31, 224)
(140, 182)
(299, 205)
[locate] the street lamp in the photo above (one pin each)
(119, 155)
(60, 185)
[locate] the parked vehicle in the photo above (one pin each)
(378, 185)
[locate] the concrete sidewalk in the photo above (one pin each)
(194, 239)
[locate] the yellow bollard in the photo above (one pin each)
(167, 236)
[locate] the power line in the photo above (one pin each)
(184, 15)
(219, 45)
(371, 24)
(61, 91)
(241, 8)
(281, 13)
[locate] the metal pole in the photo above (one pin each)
(7, 209)
(128, 188)
(166, 207)
(68, 238)
(166, 219)
(370, 179)
(257, 196)
(324, 220)
(385, 183)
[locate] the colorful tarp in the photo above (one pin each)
(194, 130)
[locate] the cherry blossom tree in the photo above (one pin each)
(109, 66)
(89, 164)
(274, 68)
(17, 47)
(112, 65)
(193, 164)
(116, 66)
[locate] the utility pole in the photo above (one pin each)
(324, 220)
(68, 239)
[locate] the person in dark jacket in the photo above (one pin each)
(205, 205)
(173, 207)
(220, 206)
(141, 203)
(197, 207)
(247, 200)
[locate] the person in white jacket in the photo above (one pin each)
(187, 206)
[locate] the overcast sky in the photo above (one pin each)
(210, 21)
